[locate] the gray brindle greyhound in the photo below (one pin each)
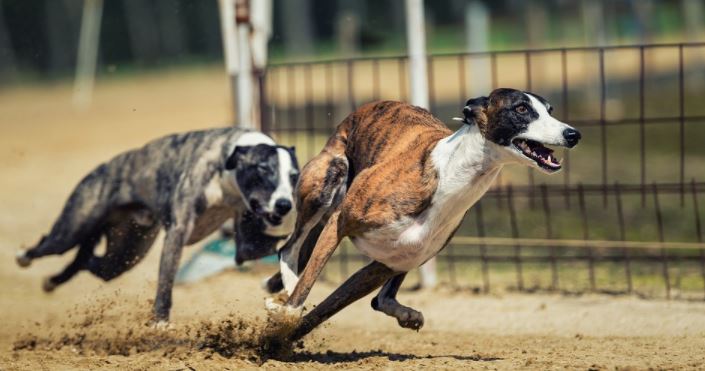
(189, 184)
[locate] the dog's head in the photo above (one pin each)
(521, 123)
(266, 175)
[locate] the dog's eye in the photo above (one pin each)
(262, 169)
(521, 109)
(294, 178)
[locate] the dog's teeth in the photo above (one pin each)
(458, 119)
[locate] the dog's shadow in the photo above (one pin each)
(331, 357)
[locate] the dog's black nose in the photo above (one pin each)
(282, 206)
(572, 137)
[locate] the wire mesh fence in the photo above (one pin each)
(624, 216)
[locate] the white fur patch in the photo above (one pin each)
(546, 129)
(253, 138)
(284, 190)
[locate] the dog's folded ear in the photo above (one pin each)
(475, 111)
(238, 152)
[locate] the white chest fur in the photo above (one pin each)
(467, 165)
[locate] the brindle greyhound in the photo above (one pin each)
(397, 182)
(189, 184)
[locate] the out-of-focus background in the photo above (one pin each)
(624, 216)
(82, 80)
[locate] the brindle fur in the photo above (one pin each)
(376, 170)
(131, 197)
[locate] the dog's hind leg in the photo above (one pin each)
(78, 219)
(129, 237)
(357, 286)
(387, 303)
(85, 252)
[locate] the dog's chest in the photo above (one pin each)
(410, 241)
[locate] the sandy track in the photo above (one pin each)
(45, 149)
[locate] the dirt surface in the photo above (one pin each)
(220, 323)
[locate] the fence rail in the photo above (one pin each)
(632, 188)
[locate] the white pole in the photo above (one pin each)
(88, 43)
(230, 48)
(477, 32)
(418, 77)
(245, 84)
(416, 38)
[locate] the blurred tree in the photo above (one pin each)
(693, 13)
(536, 22)
(643, 11)
(144, 37)
(348, 27)
(297, 26)
(8, 68)
(170, 28)
(62, 29)
(593, 22)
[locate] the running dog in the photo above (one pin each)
(398, 182)
(189, 184)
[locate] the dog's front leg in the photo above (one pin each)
(386, 302)
(357, 286)
(176, 237)
(326, 245)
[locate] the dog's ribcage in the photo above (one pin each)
(463, 178)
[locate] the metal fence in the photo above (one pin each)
(625, 214)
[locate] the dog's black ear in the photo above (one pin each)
(475, 110)
(238, 152)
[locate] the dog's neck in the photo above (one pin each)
(465, 158)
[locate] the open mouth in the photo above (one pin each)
(273, 219)
(542, 155)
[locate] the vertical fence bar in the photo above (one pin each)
(681, 116)
(493, 68)
(462, 86)
(330, 110)
(698, 230)
(586, 236)
(603, 124)
(351, 86)
(291, 104)
(623, 237)
(566, 118)
(549, 235)
(402, 79)
(642, 129)
(530, 171)
(664, 256)
(273, 98)
(375, 79)
(264, 82)
(515, 234)
(310, 120)
(483, 249)
(431, 87)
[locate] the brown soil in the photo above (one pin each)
(220, 323)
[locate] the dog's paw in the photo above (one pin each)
(161, 325)
(411, 319)
(277, 308)
(48, 285)
(22, 259)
